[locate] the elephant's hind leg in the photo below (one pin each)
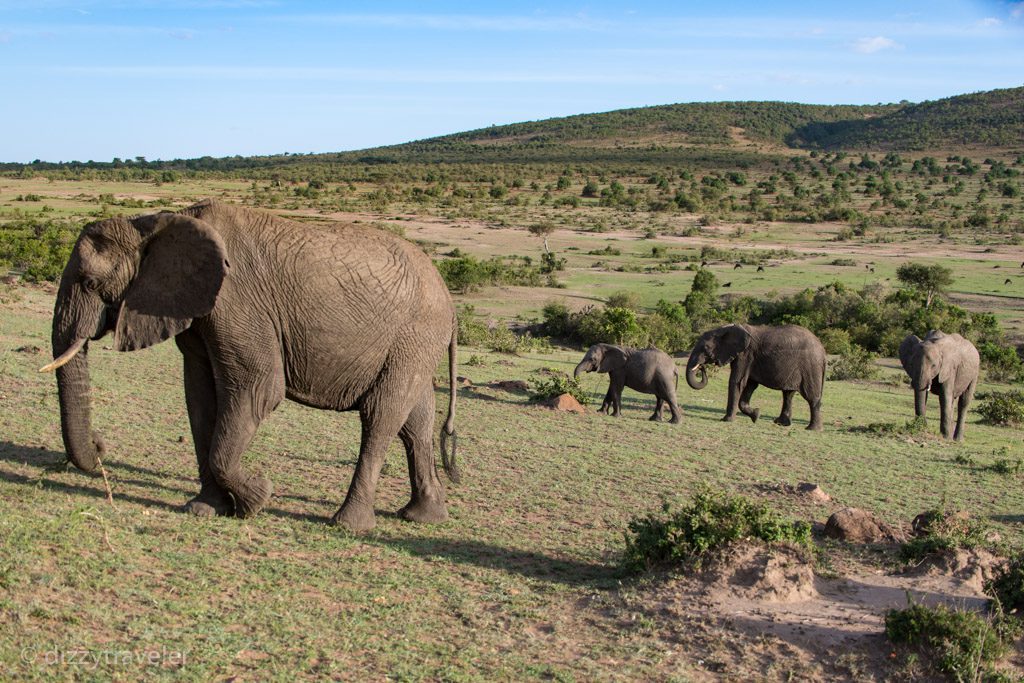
(417, 435)
(382, 414)
(656, 417)
(785, 418)
(201, 403)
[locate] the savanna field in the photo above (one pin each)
(545, 252)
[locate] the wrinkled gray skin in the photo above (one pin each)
(648, 371)
(947, 364)
(263, 308)
(788, 358)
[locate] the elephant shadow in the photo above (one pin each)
(527, 563)
(47, 462)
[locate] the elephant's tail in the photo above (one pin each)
(448, 430)
(675, 373)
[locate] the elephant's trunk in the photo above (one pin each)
(584, 366)
(83, 446)
(693, 366)
(920, 400)
(77, 317)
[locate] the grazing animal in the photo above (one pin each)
(263, 308)
(1007, 281)
(727, 284)
(947, 365)
(788, 358)
(704, 263)
(760, 269)
(738, 265)
(873, 269)
(648, 371)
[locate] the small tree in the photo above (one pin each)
(542, 230)
(927, 280)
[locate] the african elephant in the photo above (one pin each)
(262, 309)
(788, 357)
(648, 371)
(948, 364)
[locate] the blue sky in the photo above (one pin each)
(186, 78)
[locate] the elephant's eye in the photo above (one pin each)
(90, 283)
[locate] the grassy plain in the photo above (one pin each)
(523, 582)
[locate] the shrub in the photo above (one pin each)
(1007, 585)
(555, 385)
(913, 427)
(38, 248)
(623, 299)
(1001, 363)
(945, 531)
(710, 522)
(960, 642)
(835, 341)
(857, 363)
(1003, 408)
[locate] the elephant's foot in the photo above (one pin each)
(210, 505)
(728, 418)
(814, 427)
(783, 420)
(676, 419)
(425, 511)
(253, 496)
(355, 517)
(655, 418)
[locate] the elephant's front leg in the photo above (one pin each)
(946, 411)
(417, 435)
(201, 403)
(617, 384)
(736, 386)
(961, 411)
(240, 411)
(744, 404)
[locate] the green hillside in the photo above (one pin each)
(989, 119)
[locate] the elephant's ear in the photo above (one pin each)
(734, 340)
(613, 358)
(182, 266)
(906, 351)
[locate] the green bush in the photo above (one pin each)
(710, 522)
(856, 363)
(1003, 408)
(960, 643)
(945, 531)
(1007, 585)
(1001, 363)
(38, 248)
(555, 385)
(467, 274)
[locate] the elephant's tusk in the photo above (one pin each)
(64, 357)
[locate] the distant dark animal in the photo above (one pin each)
(648, 371)
(866, 266)
(704, 263)
(872, 270)
(1022, 264)
(738, 265)
(787, 358)
(760, 269)
(727, 284)
(1007, 281)
(996, 266)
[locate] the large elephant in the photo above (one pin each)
(263, 308)
(788, 358)
(648, 371)
(947, 364)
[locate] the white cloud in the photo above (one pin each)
(1017, 10)
(988, 22)
(869, 46)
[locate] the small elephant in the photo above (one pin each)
(648, 371)
(947, 364)
(788, 358)
(262, 309)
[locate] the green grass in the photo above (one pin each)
(500, 591)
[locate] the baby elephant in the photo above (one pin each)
(648, 371)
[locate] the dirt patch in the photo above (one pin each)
(761, 574)
(968, 569)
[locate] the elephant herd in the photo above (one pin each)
(356, 319)
(788, 358)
